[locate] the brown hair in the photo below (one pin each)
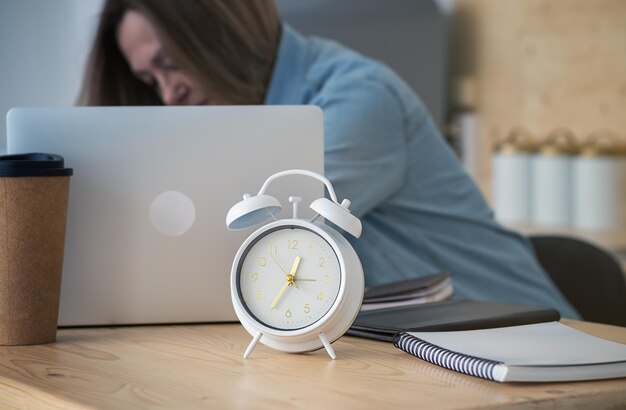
(228, 46)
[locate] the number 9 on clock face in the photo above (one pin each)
(288, 278)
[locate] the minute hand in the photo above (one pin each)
(282, 290)
(290, 281)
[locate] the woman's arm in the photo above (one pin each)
(365, 141)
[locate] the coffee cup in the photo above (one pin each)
(34, 190)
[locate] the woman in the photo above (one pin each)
(421, 213)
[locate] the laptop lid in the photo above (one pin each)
(146, 237)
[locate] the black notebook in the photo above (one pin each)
(447, 315)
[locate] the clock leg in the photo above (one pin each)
(327, 346)
(253, 343)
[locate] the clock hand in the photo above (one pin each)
(294, 268)
(291, 276)
(282, 290)
(277, 264)
(281, 268)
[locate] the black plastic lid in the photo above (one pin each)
(33, 165)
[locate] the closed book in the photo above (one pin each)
(383, 324)
(431, 288)
(540, 352)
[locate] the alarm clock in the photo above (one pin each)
(296, 285)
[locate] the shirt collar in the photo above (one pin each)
(292, 62)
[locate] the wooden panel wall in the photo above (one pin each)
(542, 64)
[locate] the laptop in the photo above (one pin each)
(146, 238)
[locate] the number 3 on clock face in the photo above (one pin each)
(288, 278)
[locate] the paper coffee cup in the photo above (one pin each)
(34, 191)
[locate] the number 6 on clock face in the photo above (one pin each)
(299, 279)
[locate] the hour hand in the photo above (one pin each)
(294, 266)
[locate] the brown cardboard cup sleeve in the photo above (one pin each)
(34, 190)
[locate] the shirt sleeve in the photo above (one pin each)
(364, 141)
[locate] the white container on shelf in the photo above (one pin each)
(600, 185)
(511, 177)
(551, 180)
(467, 123)
(465, 99)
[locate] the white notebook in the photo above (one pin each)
(530, 353)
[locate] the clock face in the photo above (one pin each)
(288, 278)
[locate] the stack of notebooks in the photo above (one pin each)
(432, 288)
(495, 341)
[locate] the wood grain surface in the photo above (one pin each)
(201, 366)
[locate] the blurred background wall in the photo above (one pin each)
(43, 46)
(541, 64)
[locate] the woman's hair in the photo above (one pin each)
(227, 46)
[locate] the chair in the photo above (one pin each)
(590, 278)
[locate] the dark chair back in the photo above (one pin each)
(590, 278)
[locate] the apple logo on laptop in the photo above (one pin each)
(172, 213)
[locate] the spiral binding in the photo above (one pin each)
(449, 359)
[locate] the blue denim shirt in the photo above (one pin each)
(421, 212)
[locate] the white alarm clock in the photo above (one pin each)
(296, 285)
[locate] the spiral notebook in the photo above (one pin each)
(541, 352)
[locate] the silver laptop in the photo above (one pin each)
(146, 237)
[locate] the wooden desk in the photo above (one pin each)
(201, 366)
